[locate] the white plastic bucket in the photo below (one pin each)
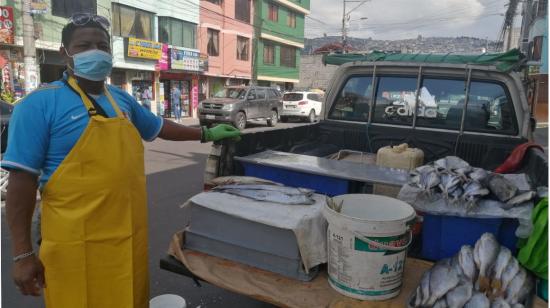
(367, 245)
(167, 301)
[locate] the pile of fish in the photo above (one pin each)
(461, 184)
(269, 193)
(486, 276)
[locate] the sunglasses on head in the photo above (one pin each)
(81, 19)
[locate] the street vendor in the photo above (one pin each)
(79, 140)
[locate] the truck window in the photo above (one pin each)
(441, 102)
(490, 109)
(353, 101)
(313, 97)
(395, 100)
(260, 94)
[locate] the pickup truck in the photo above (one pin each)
(475, 111)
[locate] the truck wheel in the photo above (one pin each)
(284, 119)
(272, 121)
(240, 120)
(311, 117)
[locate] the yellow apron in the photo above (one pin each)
(94, 218)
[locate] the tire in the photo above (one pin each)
(284, 119)
(240, 120)
(311, 117)
(272, 121)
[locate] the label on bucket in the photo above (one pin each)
(362, 270)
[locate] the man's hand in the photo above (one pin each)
(28, 275)
(219, 132)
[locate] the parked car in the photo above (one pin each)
(304, 105)
(237, 105)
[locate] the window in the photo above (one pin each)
(132, 22)
(260, 94)
(66, 8)
(314, 97)
(273, 93)
(288, 56)
(218, 2)
(395, 100)
(269, 54)
(242, 48)
(489, 109)
(177, 32)
(242, 10)
(441, 103)
(273, 12)
(353, 102)
(213, 42)
(293, 97)
(291, 19)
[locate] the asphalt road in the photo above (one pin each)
(174, 174)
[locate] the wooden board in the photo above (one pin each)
(285, 292)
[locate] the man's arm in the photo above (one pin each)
(28, 272)
(176, 132)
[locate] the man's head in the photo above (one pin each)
(85, 33)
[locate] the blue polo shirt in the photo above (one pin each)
(47, 123)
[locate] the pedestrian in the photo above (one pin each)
(146, 98)
(176, 102)
(79, 141)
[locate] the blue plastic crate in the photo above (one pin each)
(321, 184)
(442, 236)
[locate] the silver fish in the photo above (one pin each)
(501, 187)
(467, 264)
(478, 300)
(453, 163)
(424, 169)
(473, 191)
(440, 165)
(271, 196)
(503, 258)
(519, 287)
(424, 288)
(456, 196)
(478, 174)
(485, 253)
(442, 279)
(519, 199)
(239, 180)
(448, 184)
(462, 172)
(509, 273)
(441, 303)
(499, 302)
(460, 295)
(282, 189)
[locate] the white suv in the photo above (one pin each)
(305, 105)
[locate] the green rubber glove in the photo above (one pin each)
(219, 132)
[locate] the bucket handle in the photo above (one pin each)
(384, 246)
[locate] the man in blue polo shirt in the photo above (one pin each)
(80, 141)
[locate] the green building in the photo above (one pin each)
(279, 27)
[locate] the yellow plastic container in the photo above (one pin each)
(401, 157)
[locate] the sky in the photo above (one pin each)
(402, 19)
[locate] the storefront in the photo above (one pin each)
(184, 69)
(12, 73)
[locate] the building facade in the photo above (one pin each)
(534, 43)
(154, 47)
(226, 36)
(279, 31)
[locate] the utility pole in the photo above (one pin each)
(29, 50)
(344, 27)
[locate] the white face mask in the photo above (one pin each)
(93, 64)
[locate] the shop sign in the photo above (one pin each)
(184, 59)
(203, 62)
(7, 28)
(144, 49)
(39, 7)
(162, 64)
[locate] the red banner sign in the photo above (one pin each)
(7, 28)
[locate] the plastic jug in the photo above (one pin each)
(401, 157)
